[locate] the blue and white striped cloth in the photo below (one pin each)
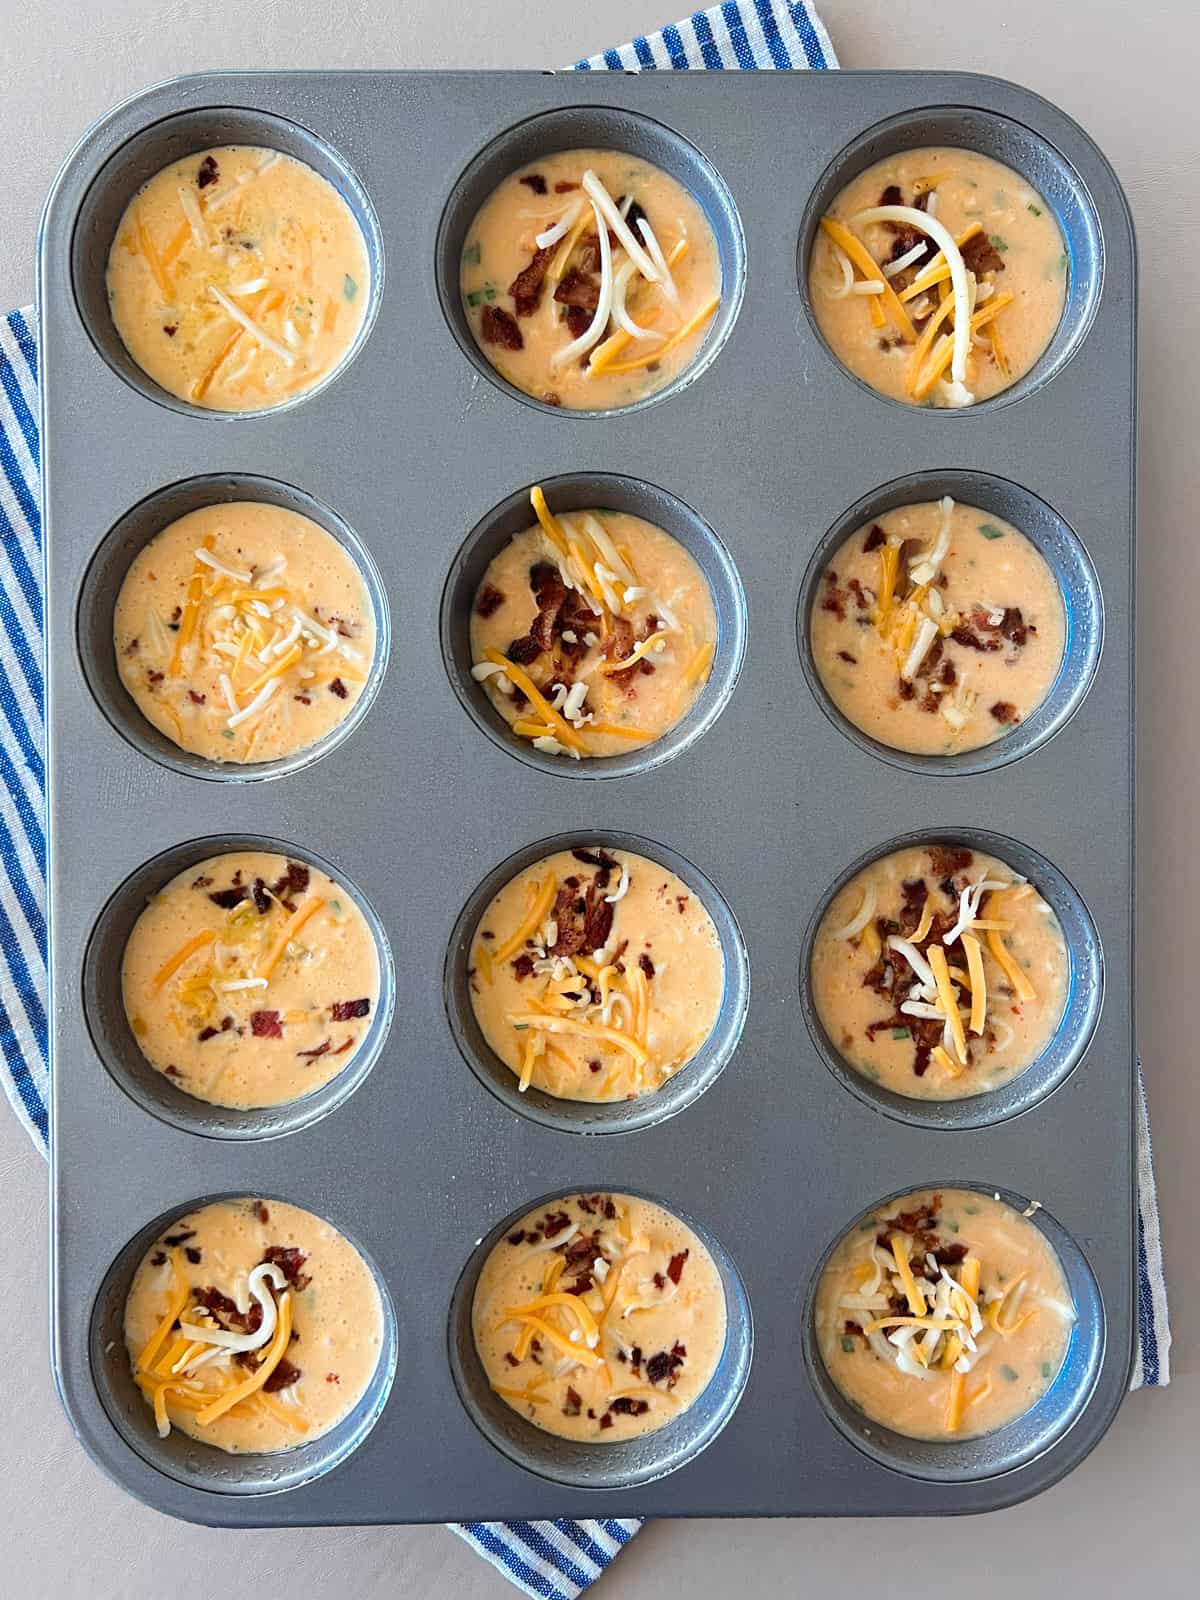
(550, 1560)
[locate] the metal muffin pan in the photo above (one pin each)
(760, 453)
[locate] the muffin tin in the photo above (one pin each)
(417, 456)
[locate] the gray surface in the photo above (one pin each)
(416, 771)
(1126, 1516)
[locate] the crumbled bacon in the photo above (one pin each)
(260, 1211)
(980, 255)
(262, 901)
(874, 539)
(338, 688)
(665, 1365)
(179, 1236)
(499, 327)
(554, 1222)
(348, 1010)
(293, 882)
(646, 964)
(196, 699)
(573, 1403)
(523, 966)
(266, 1025)
(626, 1406)
(283, 1376)
(579, 289)
(226, 898)
(289, 1259)
(534, 181)
(207, 172)
(675, 1268)
(1004, 711)
(312, 1055)
(578, 322)
(526, 287)
(949, 859)
(488, 600)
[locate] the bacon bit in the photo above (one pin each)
(534, 181)
(206, 1034)
(226, 1312)
(596, 858)
(225, 898)
(332, 1377)
(573, 1403)
(606, 1420)
(499, 327)
(665, 1365)
(593, 1066)
(348, 1010)
(579, 289)
(154, 679)
(159, 1258)
(610, 1209)
(949, 859)
(207, 172)
(174, 1239)
(342, 1048)
(312, 1055)
(262, 901)
(526, 287)
(1005, 711)
(304, 699)
(646, 964)
(266, 1025)
(523, 966)
(626, 1406)
(193, 1255)
(517, 1237)
(488, 600)
(551, 399)
(660, 1282)
(511, 1359)
(289, 1260)
(844, 655)
(260, 1211)
(174, 1072)
(874, 539)
(578, 321)
(338, 688)
(564, 186)
(675, 1269)
(284, 1375)
(980, 255)
(293, 882)
(554, 1222)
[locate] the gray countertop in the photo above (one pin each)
(1126, 1517)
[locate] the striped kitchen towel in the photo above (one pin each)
(552, 1560)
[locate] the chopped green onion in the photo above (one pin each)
(472, 254)
(475, 296)
(989, 530)
(997, 243)
(848, 1343)
(901, 1033)
(1036, 210)
(1046, 1369)
(1008, 1372)
(349, 287)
